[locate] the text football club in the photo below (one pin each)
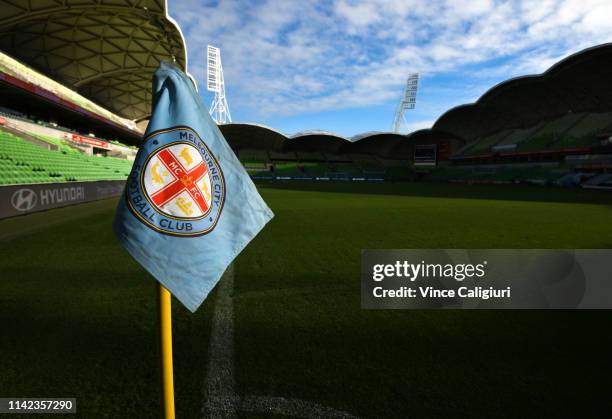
(176, 186)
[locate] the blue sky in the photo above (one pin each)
(341, 65)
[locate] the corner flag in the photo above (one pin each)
(189, 206)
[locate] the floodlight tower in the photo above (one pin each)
(215, 83)
(407, 102)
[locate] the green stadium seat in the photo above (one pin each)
(24, 162)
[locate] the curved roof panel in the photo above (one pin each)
(378, 143)
(586, 76)
(382, 144)
(314, 133)
(364, 135)
(578, 83)
(253, 136)
(315, 141)
(106, 50)
(429, 135)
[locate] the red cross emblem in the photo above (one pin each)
(184, 180)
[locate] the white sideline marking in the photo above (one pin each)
(219, 395)
(220, 398)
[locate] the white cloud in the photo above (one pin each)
(359, 15)
(286, 57)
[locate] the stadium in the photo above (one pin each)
(551, 128)
(528, 165)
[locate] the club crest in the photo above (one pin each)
(176, 186)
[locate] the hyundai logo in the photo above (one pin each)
(24, 199)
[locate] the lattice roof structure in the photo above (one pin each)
(107, 50)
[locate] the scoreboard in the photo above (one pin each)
(425, 155)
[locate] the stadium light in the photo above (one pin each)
(219, 109)
(407, 102)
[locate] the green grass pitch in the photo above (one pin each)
(78, 314)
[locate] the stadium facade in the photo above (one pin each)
(75, 83)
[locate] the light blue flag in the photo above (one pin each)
(189, 207)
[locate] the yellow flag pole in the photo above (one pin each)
(164, 301)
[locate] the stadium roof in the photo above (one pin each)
(377, 143)
(363, 135)
(382, 144)
(578, 83)
(253, 136)
(315, 141)
(107, 50)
